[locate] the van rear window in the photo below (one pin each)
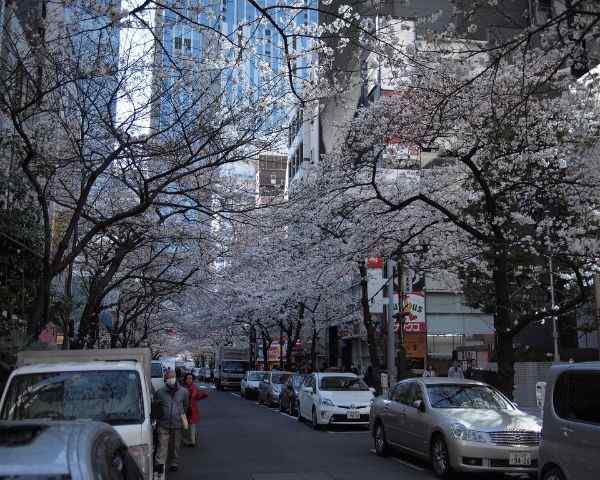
(111, 396)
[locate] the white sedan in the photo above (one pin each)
(335, 399)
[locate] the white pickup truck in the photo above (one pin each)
(111, 386)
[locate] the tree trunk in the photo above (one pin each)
(502, 323)
(41, 307)
(293, 335)
(313, 349)
(368, 322)
(88, 326)
(266, 344)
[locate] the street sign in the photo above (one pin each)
(415, 320)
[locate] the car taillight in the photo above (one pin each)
(141, 455)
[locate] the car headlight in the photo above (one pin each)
(460, 432)
(141, 455)
(327, 402)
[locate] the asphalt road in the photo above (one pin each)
(241, 440)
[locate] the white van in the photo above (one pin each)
(158, 375)
(111, 386)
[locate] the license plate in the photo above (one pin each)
(353, 414)
(520, 459)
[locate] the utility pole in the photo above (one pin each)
(391, 335)
(597, 307)
(554, 317)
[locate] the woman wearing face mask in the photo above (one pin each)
(193, 413)
(173, 400)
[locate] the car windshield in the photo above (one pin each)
(156, 370)
(280, 377)
(343, 384)
(114, 397)
(235, 367)
(479, 397)
(256, 376)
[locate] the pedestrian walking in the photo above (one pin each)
(193, 413)
(455, 371)
(469, 372)
(429, 372)
(173, 401)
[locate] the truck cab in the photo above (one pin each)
(115, 391)
(230, 367)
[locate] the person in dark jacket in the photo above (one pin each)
(193, 413)
(174, 401)
(369, 377)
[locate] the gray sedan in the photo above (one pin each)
(271, 386)
(77, 450)
(459, 425)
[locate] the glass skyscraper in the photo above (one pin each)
(229, 29)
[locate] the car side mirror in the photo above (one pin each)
(372, 390)
(419, 405)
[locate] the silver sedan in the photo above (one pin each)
(458, 425)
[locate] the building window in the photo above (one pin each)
(187, 43)
(273, 179)
(178, 43)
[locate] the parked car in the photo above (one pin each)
(250, 383)
(457, 424)
(569, 448)
(157, 375)
(113, 386)
(334, 399)
(290, 393)
(269, 388)
(77, 450)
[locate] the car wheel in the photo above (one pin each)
(554, 473)
(315, 419)
(381, 446)
(440, 458)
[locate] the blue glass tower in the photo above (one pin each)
(186, 40)
(94, 39)
(231, 29)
